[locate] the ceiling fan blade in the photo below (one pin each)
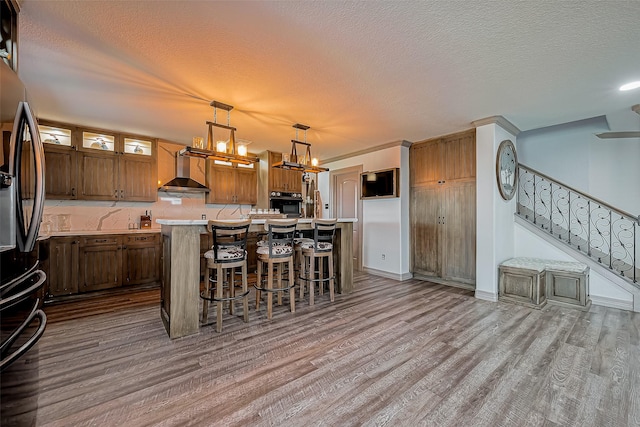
(613, 135)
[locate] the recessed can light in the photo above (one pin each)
(630, 86)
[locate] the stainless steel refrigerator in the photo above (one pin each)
(22, 321)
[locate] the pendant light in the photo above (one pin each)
(223, 150)
(304, 163)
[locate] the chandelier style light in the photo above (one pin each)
(223, 150)
(304, 163)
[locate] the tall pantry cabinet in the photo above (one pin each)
(443, 208)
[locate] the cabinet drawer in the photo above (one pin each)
(100, 240)
(133, 239)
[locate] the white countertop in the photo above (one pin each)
(97, 232)
(168, 221)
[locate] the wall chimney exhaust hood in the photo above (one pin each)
(183, 183)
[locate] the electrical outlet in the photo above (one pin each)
(384, 257)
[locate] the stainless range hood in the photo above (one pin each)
(183, 183)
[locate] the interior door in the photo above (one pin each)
(347, 204)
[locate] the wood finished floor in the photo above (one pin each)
(391, 353)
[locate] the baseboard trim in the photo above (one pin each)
(612, 302)
(486, 296)
(439, 281)
(395, 276)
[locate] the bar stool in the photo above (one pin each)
(297, 257)
(228, 253)
(320, 248)
(276, 251)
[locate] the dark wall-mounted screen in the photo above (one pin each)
(379, 184)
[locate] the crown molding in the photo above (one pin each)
(401, 143)
(500, 121)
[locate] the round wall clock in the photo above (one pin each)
(506, 169)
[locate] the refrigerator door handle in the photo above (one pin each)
(42, 318)
(26, 236)
(5, 303)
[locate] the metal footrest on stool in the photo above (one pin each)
(233, 298)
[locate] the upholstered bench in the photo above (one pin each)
(534, 281)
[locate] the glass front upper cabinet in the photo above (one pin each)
(98, 141)
(137, 146)
(55, 135)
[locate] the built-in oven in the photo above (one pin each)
(287, 203)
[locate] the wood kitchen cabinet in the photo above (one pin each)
(141, 259)
(138, 179)
(94, 164)
(283, 180)
(98, 176)
(82, 264)
(62, 275)
(60, 154)
(100, 264)
(61, 177)
(231, 184)
(443, 208)
(117, 167)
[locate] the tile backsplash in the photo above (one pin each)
(70, 215)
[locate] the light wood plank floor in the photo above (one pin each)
(392, 353)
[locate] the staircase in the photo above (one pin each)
(583, 225)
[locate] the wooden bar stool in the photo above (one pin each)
(320, 248)
(276, 251)
(229, 252)
(298, 259)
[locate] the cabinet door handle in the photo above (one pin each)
(122, 194)
(100, 240)
(116, 194)
(73, 192)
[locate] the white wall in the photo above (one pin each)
(606, 169)
(494, 215)
(385, 228)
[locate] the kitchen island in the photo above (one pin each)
(180, 290)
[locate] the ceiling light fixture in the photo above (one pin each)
(223, 150)
(303, 163)
(630, 86)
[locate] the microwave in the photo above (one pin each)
(289, 204)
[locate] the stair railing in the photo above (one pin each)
(606, 234)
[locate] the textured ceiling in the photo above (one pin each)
(360, 74)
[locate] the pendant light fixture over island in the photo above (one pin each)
(223, 150)
(304, 163)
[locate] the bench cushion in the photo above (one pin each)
(539, 264)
